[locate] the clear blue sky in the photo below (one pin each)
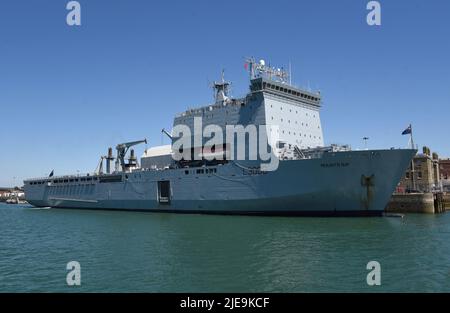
(68, 93)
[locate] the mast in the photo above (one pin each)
(222, 89)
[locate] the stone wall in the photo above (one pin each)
(447, 201)
(411, 203)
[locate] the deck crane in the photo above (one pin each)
(122, 150)
(166, 133)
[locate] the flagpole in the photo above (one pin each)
(413, 172)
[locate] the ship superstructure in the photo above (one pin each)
(309, 178)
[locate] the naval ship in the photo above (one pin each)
(309, 179)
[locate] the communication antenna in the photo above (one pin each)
(261, 69)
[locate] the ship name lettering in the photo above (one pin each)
(335, 164)
(253, 172)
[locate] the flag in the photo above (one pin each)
(246, 66)
(408, 130)
(51, 174)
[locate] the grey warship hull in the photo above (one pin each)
(275, 123)
(351, 183)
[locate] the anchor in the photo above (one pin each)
(368, 182)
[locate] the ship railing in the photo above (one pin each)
(208, 108)
(62, 176)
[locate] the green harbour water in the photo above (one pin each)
(163, 252)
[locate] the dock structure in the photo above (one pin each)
(446, 198)
(421, 188)
(11, 193)
(427, 202)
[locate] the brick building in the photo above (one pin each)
(444, 169)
